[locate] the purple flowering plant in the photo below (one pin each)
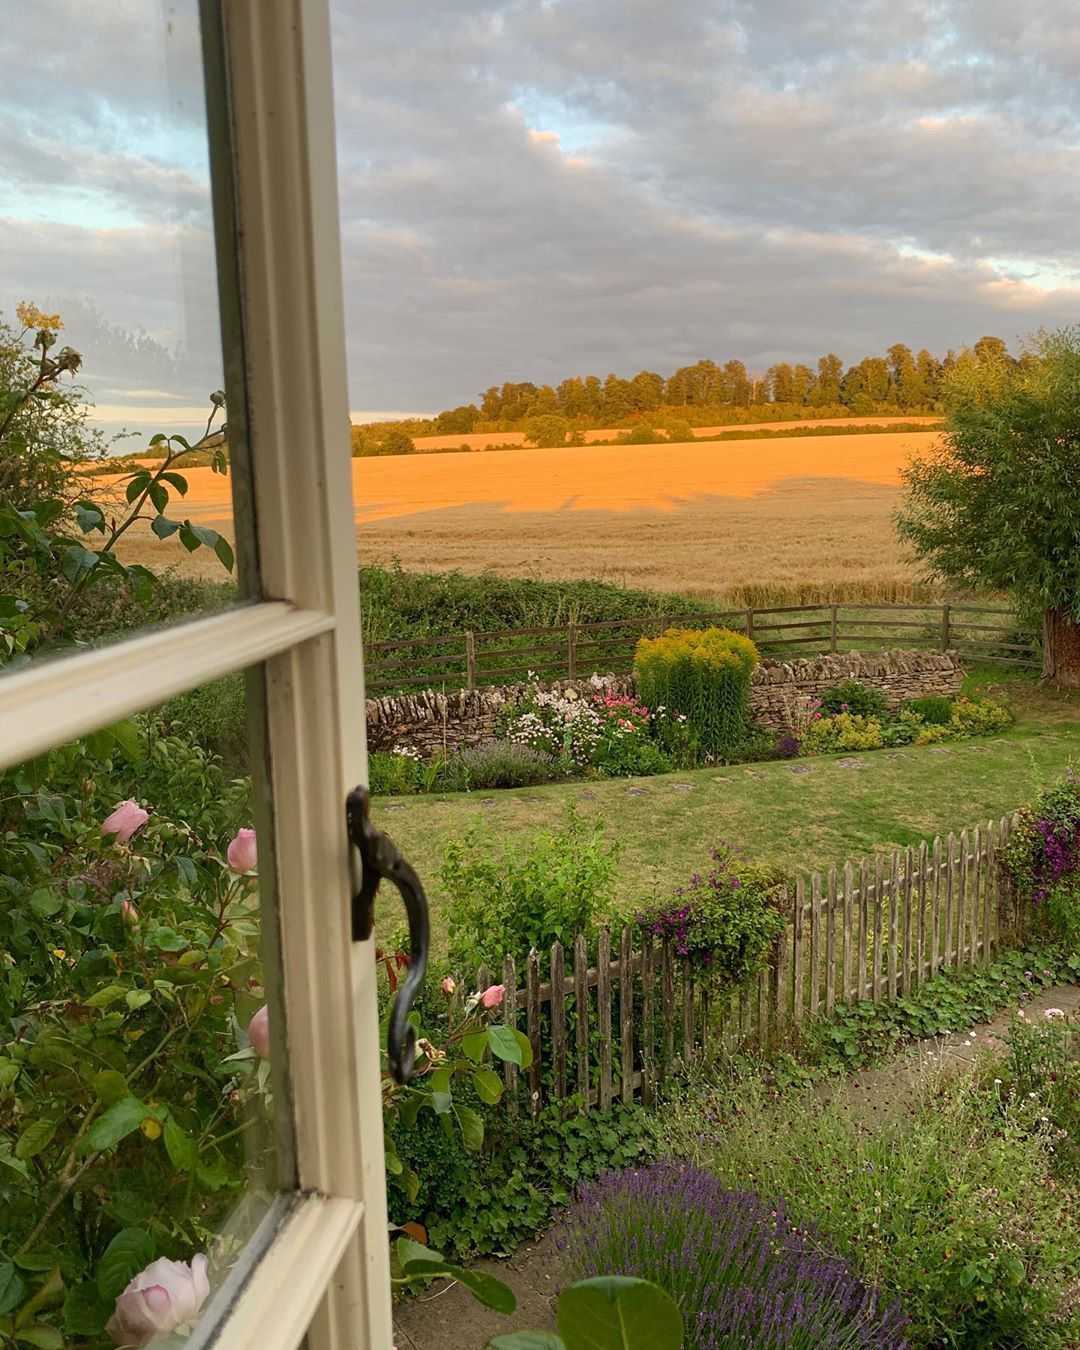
(725, 920)
(1042, 855)
(741, 1273)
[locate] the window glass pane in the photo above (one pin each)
(136, 1104)
(109, 336)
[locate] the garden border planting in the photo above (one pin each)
(432, 721)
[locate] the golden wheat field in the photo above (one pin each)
(754, 520)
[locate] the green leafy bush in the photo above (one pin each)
(726, 921)
(934, 709)
(704, 674)
(979, 716)
(482, 1204)
(844, 731)
(509, 898)
(949, 1205)
(852, 696)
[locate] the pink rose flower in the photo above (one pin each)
(449, 984)
(493, 995)
(242, 852)
(164, 1296)
(125, 820)
(259, 1032)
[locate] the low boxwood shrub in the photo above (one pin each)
(740, 1271)
(725, 921)
(503, 897)
(703, 674)
(852, 696)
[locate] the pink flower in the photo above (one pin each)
(128, 912)
(449, 984)
(125, 820)
(493, 995)
(242, 853)
(259, 1032)
(164, 1296)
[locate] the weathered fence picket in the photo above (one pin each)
(873, 930)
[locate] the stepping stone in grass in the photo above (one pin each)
(588, 795)
(637, 792)
(682, 787)
(487, 801)
(721, 780)
(800, 768)
(851, 763)
(940, 750)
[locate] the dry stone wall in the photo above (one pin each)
(782, 695)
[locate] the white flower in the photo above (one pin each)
(1053, 1013)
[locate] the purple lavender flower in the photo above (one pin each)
(742, 1274)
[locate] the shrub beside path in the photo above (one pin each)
(447, 1315)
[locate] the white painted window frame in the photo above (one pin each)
(318, 1268)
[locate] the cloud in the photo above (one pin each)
(532, 188)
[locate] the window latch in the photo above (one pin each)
(380, 860)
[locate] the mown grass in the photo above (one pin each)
(666, 825)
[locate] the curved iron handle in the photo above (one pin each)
(380, 859)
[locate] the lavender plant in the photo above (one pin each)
(741, 1274)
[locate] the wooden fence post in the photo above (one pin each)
(946, 627)
(603, 1014)
(571, 650)
(830, 945)
(510, 1072)
(470, 660)
(626, 1014)
(581, 1011)
(750, 624)
(532, 1018)
(833, 628)
(849, 934)
(648, 1060)
(798, 955)
(815, 943)
(558, 1020)
(894, 920)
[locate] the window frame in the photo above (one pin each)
(318, 1267)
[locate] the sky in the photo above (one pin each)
(542, 188)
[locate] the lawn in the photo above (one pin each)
(806, 813)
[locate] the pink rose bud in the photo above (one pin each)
(259, 1032)
(164, 1296)
(242, 852)
(128, 912)
(449, 984)
(493, 995)
(125, 820)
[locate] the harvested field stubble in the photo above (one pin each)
(756, 522)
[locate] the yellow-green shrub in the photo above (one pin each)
(703, 673)
(845, 731)
(979, 717)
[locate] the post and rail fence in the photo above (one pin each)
(608, 1026)
(571, 650)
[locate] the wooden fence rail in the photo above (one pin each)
(873, 930)
(465, 660)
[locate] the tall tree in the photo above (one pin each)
(737, 386)
(827, 387)
(997, 504)
(781, 383)
(991, 349)
(647, 390)
(802, 382)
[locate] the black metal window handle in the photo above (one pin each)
(381, 860)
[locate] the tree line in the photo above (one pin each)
(906, 380)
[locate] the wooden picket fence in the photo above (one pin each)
(874, 930)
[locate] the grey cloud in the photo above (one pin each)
(750, 171)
